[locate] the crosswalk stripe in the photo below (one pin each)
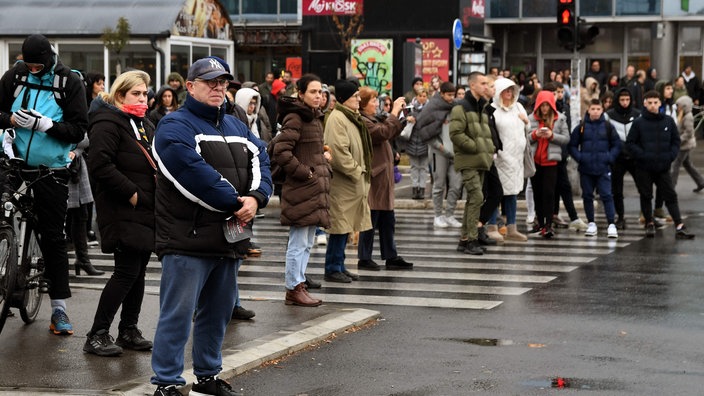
(442, 277)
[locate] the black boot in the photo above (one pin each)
(414, 194)
(474, 248)
(421, 193)
(88, 268)
(80, 242)
(483, 238)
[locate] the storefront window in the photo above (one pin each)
(639, 40)
(15, 52)
(609, 40)
(538, 8)
(232, 6)
(141, 57)
(289, 6)
(180, 59)
(672, 8)
(690, 39)
(200, 52)
(522, 39)
(259, 6)
(84, 57)
(503, 8)
(598, 7)
(639, 7)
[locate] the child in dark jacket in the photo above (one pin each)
(595, 147)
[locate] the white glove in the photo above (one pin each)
(32, 119)
(8, 138)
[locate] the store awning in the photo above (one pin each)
(86, 17)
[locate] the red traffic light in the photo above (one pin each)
(566, 17)
(566, 13)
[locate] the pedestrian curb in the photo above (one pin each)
(252, 354)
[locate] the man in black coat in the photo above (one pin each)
(654, 143)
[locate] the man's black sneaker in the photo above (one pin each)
(312, 283)
(682, 233)
(398, 263)
(213, 387)
(242, 313)
(131, 338)
(169, 390)
(102, 344)
(369, 265)
(650, 230)
(621, 223)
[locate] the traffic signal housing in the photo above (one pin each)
(567, 23)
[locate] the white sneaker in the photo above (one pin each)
(452, 222)
(530, 219)
(577, 225)
(611, 232)
(591, 230)
(440, 222)
(321, 240)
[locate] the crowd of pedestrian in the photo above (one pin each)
(183, 173)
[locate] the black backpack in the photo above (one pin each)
(58, 86)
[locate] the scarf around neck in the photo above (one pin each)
(356, 118)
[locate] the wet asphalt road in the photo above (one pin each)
(628, 323)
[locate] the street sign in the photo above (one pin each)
(457, 33)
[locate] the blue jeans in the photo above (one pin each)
(603, 185)
(509, 205)
(300, 241)
(192, 284)
(335, 253)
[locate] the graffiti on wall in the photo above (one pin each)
(372, 63)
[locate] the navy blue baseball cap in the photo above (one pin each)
(208, 69)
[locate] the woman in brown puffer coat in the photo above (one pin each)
(305, 194)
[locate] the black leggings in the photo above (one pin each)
(544, 183)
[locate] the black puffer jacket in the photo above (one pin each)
(653, 141)
(119, 169)
(305, 200)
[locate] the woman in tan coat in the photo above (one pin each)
(351, 150)
(381, 192)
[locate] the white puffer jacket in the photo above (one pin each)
(512, 131)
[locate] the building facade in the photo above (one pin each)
(165, 35)
(665, 34)
(267, 33)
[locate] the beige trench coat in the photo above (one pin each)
(349, 209)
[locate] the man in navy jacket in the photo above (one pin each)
(211, 169)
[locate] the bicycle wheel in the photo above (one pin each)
(8, 271)
(32, 268)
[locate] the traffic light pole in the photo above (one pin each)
(575, 98)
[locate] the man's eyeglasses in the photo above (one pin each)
(214, 83)
(34, 67)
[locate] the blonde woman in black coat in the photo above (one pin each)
(123, 170)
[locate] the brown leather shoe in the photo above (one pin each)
(299, 296)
